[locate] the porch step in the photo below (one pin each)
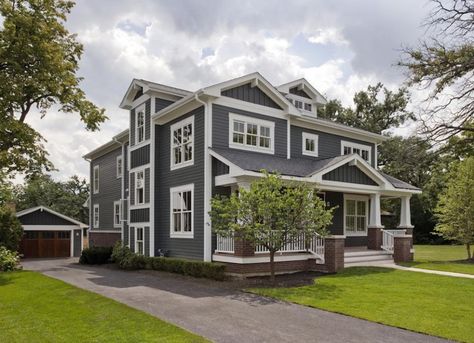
(365, 253)
(369, 256)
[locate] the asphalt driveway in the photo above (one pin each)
(220, 313)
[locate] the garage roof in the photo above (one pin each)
(43, 208)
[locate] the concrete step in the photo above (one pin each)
(366, 253)
(367, 258)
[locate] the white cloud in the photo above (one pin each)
(328, 36)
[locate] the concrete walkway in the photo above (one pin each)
(219, 312)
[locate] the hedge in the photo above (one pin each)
(96, 255)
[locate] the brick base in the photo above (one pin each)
(402, 248)
(374, 238)
(103, 239)
(280, 267)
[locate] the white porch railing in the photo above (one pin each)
(387, 238)
(225, 244)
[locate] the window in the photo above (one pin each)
(95, 219)
(140, 187)
(250, 133)
(301, 103)
(139, 245)
(119, 166)
(95, 183)
(117, 212)
(182, 203)
(363, 151)
(355, 216)
(182, 143)
(310, 144)
(64, 234)
(298, 104)
(140, 130)
(308, 107)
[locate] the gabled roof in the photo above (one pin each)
(44, 208)
(303, 84)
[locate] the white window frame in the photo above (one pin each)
(180, 125)
(294, 98)
(135, 186)
(254, 121)
(356, 198)
(307, 135)
(119, 223)
(119, 172)
(353, 146)
(95, 187)
(140, 109)
(182, 234)
(95, 224)
(142, 241)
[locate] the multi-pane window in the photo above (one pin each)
(250, 133)
(182, 143)
(95, 182)
(355, 216)
(139, 242)
(117, 213)
(310, 144)
(95, 218)
(140, 131)
(182, 211)
(119, 166)
(363, 151)
(308, 107)
(140, 187)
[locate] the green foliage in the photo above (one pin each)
(65, 197)
(9, 260)
(119, 252)
(11, 230)
(96, 255)
(455, 209)
(39, 60)
(369, 112)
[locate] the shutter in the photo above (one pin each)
(147, 185)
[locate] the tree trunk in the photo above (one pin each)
(468, 248)
(272, 266)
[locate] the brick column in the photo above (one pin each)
(374, 238)
(243, 248)
(334, 253)
(401, 248)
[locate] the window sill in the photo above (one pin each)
(356, 234)
(182, 165)
(187, 235)
(250, 148)
(311, 154)
(139, 145)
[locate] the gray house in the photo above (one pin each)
(151, 185)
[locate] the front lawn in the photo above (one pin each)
(449, 258)
(36, 308)
(431, 304)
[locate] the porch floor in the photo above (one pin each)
(356, 249)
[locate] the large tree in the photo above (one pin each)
(39, 60)
(444, 64)
(271, 214)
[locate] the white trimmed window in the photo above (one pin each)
(364, 151)
(140, 187)
(140, 121)
(355, 215)
(117, 213)
(182, 205)
(182, 143)
(95, 219)
(310, 144)
(301, 103)
(139, 241)
(250, 133)
(95, 180)
(119, 166)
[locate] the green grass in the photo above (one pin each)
(449, 258)
(36, 308)
(431, 304)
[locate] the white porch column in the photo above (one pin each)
(375, 220)
(405, 215)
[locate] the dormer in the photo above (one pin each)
(303, 96)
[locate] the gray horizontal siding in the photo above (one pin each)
(336, 199)
(109, 188)
(250, 94)
(219, 168)
(43, 218)
(140, 156)
(146, 238)
(351, 174)
(140, 215)
(165, 179)
(220, 127)
(329, 145)
(77, 243)
(161, 103)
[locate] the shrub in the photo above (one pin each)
(9, 260)
(133, 262)
(119, 252)
(11, 230)
(96, 255)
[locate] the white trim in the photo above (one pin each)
(94, 224)
(376, 156)
(139, 206)
(50, 227)
(304, 85)
(315, 138)
(152, 189)
(183, 188)
(143, 166)
(253, 121)
(375, 220)
(94, 188)
(119, 224)
(104, 231)
(141, 108)
(261, 259)
(352, 146)
(251, 107)
(288, 139)
(140, 145)
(405, 215)
(180, 125)
(135, 240)
(122, 192)
(356, 198)
(118, 174)
(135, 190)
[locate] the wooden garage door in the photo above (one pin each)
(46, 244)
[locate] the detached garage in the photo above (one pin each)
(48, 233)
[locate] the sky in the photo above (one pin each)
(340, 47)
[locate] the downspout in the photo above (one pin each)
(207, 179)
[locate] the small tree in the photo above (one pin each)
(11, 230)
(271, 214)
(455, 209)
